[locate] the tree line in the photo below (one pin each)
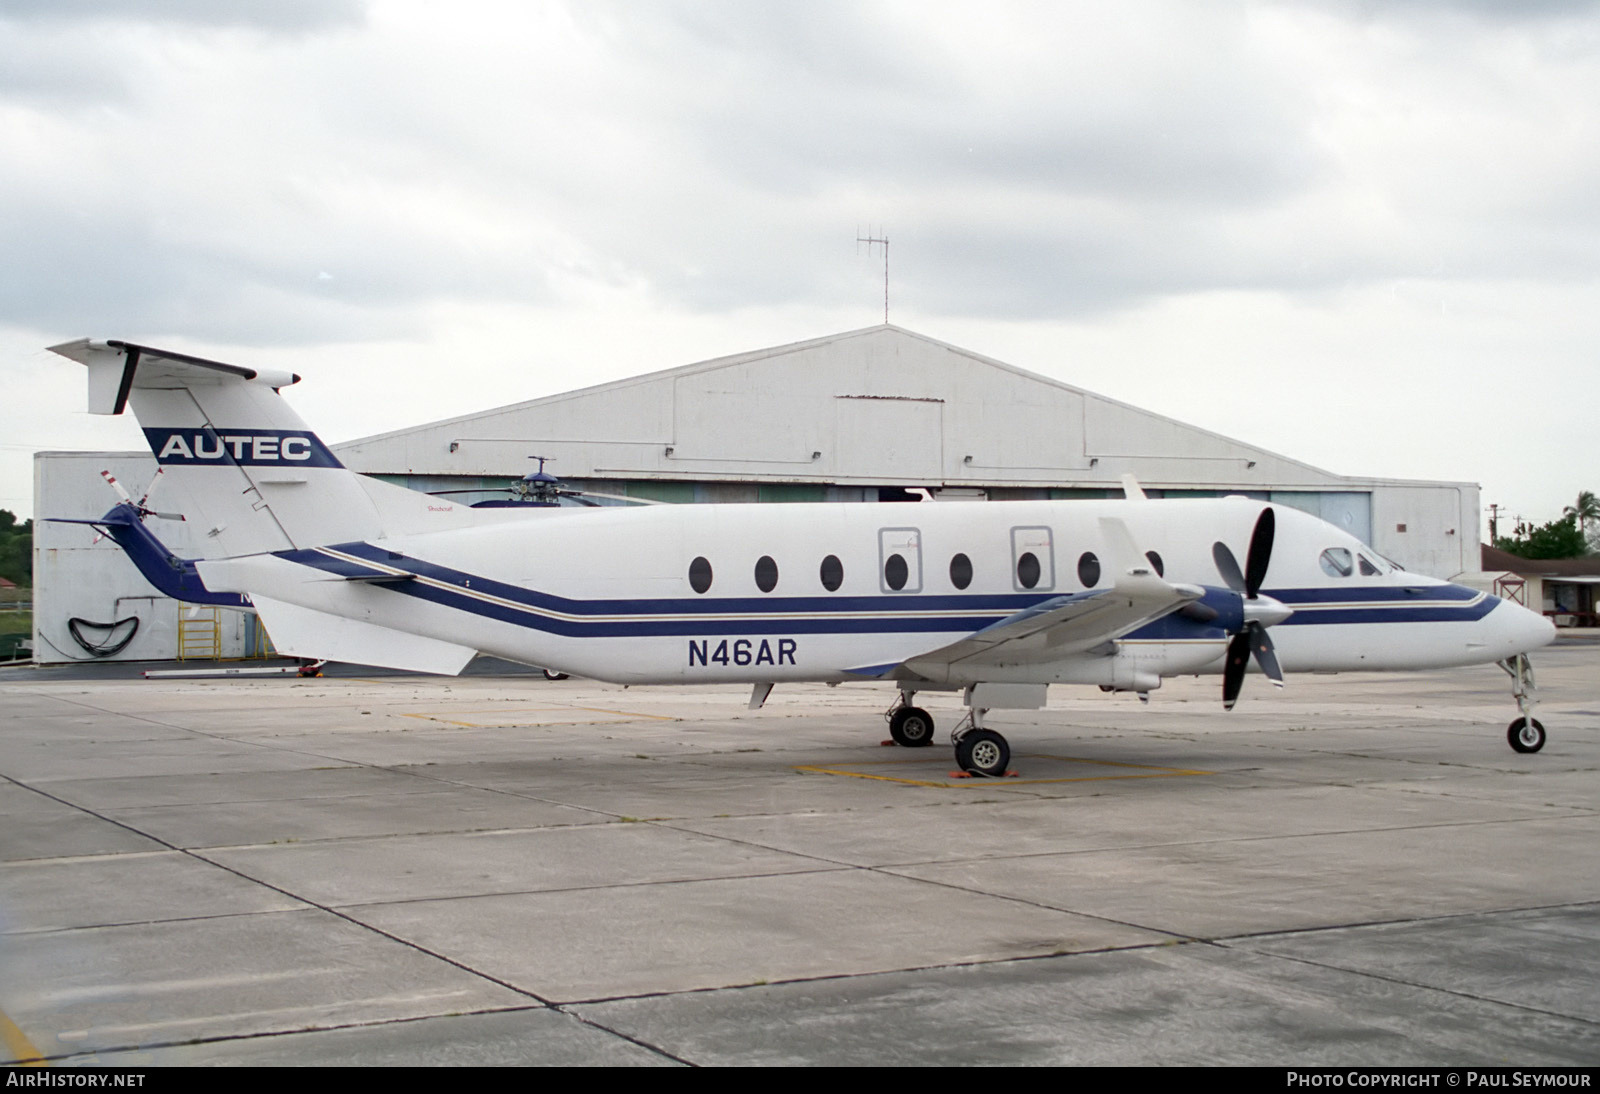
(16, 548)
(1574, 534)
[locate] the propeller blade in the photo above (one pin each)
(1227, 566)
(610, 497)
(1266, 657)
(154, 479)
(1260, 556)
(117, 486)
(1233, 671)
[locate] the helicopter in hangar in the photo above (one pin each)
(540, 488)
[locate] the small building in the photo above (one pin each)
(1562, 588)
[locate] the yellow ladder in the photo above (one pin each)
(262, 645)
(199, 633)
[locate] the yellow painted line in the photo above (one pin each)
(17, 1043)
(1146, 771)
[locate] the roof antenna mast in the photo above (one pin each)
(870, 240)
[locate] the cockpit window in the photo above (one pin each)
(1336, 562)
(1369, 568)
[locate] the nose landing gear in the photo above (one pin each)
(1526, 733)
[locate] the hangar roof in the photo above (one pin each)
(881, 405)
(1496, 560)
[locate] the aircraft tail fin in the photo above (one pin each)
(250, 473)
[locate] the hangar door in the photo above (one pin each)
(890, 439)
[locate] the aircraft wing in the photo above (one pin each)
(1066, 625)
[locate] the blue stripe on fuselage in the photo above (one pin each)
(896, 613)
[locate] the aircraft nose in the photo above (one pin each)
(1519, 629)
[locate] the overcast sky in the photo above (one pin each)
(1362, 234)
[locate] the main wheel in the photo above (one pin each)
(551, 674)
(911, 727)
(1526, 734)
(983, 752)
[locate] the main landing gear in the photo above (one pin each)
(911, 727)
(979, 751)
(1525, 733)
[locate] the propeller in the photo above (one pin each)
(543, 488)
(1259, 612)
(140, 509)
(139, 506)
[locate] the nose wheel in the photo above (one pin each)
(1526, 734)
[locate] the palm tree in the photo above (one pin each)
(1586, 511)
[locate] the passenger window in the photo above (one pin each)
(1088, 570)
(961, 571)
(700, 575)
(1028, 570)
(1033, 559)
(900, 560)
(1336, 562)
(832, 573)
(766, 574)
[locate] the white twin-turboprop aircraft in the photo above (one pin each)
(997, 600)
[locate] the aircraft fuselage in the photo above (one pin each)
(835, 592)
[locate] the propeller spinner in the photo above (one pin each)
(1260, 612)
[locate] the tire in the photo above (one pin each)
(911, 727)
(550, 674)
(1526, 734)
(983, 752)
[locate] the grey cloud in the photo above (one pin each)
(58, 68)
(141, 270)
(1493, 11)
(717, 157)
(795, 104)
(280, 16)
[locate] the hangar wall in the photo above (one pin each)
(859, 416)
(78, 575)
(844, 417)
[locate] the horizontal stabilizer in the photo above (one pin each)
(306, 632)
(116, 368)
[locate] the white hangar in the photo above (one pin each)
(871, 415)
